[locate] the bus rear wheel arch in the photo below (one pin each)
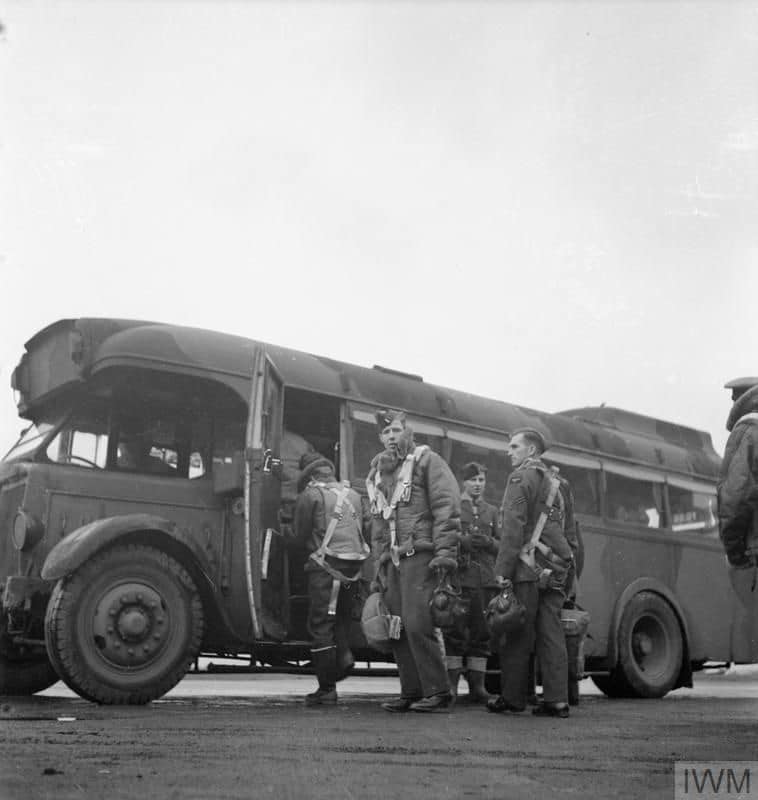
(124, 627)
(650, 650)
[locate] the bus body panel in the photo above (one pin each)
(83, 542)
(84, 511)
(616, 559)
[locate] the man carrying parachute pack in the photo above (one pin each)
(329, 524)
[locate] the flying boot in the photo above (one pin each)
(325, 664)
(345, 658)
(477, 668)
(454, 666)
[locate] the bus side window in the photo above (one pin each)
(692, 510)
(632, 500)
(584, 486)
(82, 442)
(433, 442)
(496, 461)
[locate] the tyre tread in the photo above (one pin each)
(63, 655)
(627, 669)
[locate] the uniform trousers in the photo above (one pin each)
(542, 631)
(420, 663)
(325, 629)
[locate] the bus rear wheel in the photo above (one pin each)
(651, 649)
(124, 627)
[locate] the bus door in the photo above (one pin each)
(264, 553)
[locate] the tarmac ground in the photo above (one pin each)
(250, 736)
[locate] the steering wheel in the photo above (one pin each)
(70, 458)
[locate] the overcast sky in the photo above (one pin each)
(549, 203)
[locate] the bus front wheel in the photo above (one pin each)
(124, 627)
(651, 649)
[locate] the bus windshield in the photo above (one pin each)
(29, 441)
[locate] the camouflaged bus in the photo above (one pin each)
(142, 510)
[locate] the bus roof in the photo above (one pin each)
(68, 352)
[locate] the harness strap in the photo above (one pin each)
(336, 514)
(334, 597)
(319, 556)
(319, 559)
(527, 551)
(342, 500)
(402, 491)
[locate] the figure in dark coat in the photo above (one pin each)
(469, 648)
(525, 499)
(333, 568)
(738, 481)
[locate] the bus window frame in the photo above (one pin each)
(418, 424)
(633, 472)
(572, 459)
(346, 444)
(582, 461)
(485, 441)
(698, 532)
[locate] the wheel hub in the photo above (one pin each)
(643, 645)
(650, 645)
(130, 624)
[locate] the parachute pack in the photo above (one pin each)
(343, 538)
(344, 532)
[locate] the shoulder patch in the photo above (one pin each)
(515, 479)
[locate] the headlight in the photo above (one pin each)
(27, 530)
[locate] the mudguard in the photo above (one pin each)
(73, 550)
(650, 585)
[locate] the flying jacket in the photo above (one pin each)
(430, 519)
(738, 480)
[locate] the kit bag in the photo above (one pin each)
(505, 613)
(574, 621)
(377, 623)
(449, 608)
